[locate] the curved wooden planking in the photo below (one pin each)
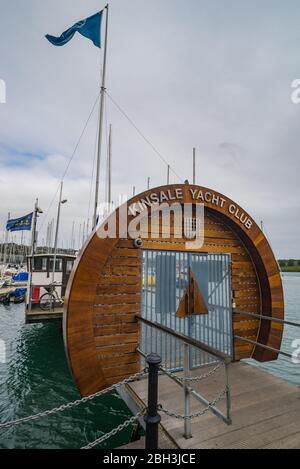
(103, 294)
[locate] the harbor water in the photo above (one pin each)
(35, 377)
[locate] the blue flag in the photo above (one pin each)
(20, 224)
(90, 28)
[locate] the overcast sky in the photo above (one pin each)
(206, 73)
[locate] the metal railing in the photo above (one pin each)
(270, 319)
(188, 392)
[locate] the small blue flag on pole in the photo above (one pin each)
(20, 224)
(90, 28)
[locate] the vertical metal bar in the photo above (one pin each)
(101, 122)
(218, 325)
(228, 395)
(194, 166)
(170, 312)
(142, 304)
(187, 397)
(222, 309)
(150, 301)
(166, 298)
(152, 418)
(227, 305)
(230, 306)
(146, 301)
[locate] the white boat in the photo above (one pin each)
(41, 275)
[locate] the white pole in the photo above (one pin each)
(56, 231)
(33, 231)
(79, 239)
(32, 252)
(109, 165)
(168, 176)
(72, 236)
(83, 233)
(194, 166)
(101, 122)
(6, 242)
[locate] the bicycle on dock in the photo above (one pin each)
(51, 299)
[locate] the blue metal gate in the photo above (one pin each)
(165, 277)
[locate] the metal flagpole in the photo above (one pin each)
(31, 261)
(83, 233)
(194, 166)
(60, 203)
(109, 165)
(6, 242)
(72, 236)
(33, 231)
(79, 238)
(101, 122)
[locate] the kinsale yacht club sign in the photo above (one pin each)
(178, 210)
(188, 195)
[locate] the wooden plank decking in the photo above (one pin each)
(265, 410)
(38, 315)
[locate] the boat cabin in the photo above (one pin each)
(41, 268)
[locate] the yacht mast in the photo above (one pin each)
(101, 122)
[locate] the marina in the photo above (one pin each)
(36, 357)
(164, 319)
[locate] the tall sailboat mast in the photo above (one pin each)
(101, 122)
(109, 198)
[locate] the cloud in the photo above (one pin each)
(197, 74)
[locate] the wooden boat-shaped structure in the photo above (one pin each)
(106, 289)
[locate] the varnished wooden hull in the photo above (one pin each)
(104, 291)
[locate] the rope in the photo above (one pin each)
(70, 160)
(162, 158)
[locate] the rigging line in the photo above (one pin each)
(143, 136)
(80, 138)
(70, 160)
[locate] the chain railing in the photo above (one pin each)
(115, 431)
(193, 378)
(196, 414)
(151, 413)
(76, 403)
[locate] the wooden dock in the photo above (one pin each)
(265, 411)
(37, 315)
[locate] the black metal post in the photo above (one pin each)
(152, 418)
